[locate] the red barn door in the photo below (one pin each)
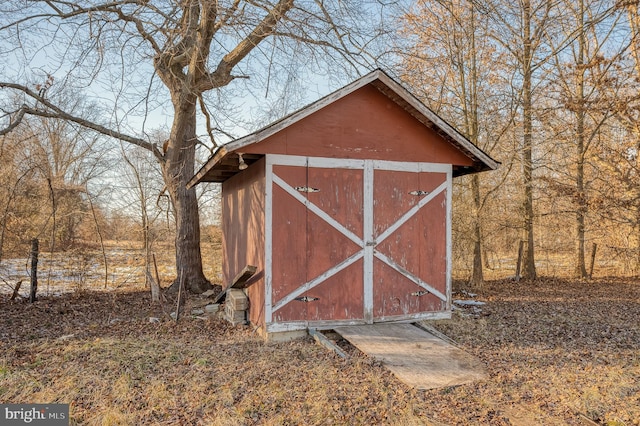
(354, 241)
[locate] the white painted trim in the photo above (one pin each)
(367, 208)
(437, 120)
(328, 325)
(279, 327)
(411, 212)
(315, 209)
(418, 317)
(410, 276)
(268, 240)
(319, 162)
(302, 113)
(399, 166)
(382, 77)
(319, 279)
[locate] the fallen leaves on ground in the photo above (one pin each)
(557, 352)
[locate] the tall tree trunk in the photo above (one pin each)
(634, 26)
(581, 211)
(477, 277)
(529, 267)
(637, 227)
(178, 167)
(471, 113)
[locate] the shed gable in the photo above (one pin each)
(363, 124)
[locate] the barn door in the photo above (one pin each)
(316, 240)
(355, 241)
(410, 234)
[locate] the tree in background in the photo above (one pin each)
(583, 90)
(549, 83)
(136, 54)
(47, 165)
(17, 188)
(627, 137)
(521, 29)
(66, 158)
(449, 58)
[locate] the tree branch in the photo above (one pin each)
(53, 111)
(222, 75)
(15, 122)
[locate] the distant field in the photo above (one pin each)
(558, 352)
(84, 269)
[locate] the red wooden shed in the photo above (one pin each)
(345, 208)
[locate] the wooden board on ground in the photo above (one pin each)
(417, 358)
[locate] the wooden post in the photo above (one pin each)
(155, 266)
(155, 285)
(180, 290)
(155, 288)
(593, 259)
(16, 290)
(519, 260)
(34, 270)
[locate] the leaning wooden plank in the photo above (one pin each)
(322, 339)
(240, 281)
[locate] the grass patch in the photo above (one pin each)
(555, 351)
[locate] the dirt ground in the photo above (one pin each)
(558, 353)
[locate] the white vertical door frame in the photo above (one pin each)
(368, 241)
(448, 231)
(268, 241)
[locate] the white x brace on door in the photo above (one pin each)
(355, 241)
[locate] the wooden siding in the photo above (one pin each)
(365, 124)
(243, 230)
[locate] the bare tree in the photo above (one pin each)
(627, 168)
(15, 177)
(448, 57)
(584, 90)
(119, 49)
(521, 29)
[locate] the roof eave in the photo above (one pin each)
(394, 91)
(216, 158)
(450, 132)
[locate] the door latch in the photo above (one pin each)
(306, 299)
(306, 189)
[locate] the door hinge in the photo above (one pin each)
(419, 192)
(306, 189)
(420, 293)
(306, 299)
